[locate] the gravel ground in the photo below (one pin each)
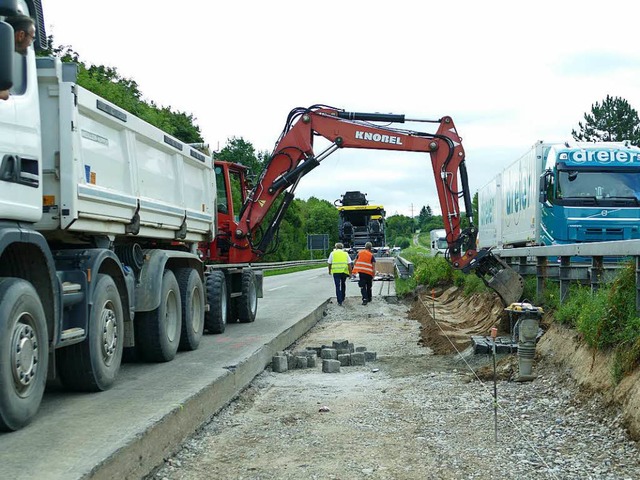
(408, 415)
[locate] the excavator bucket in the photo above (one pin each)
(499, 276)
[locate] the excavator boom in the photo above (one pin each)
(293, 157)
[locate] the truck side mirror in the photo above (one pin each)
(544, 185)
(6, 56)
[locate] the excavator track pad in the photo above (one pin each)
(499, 276)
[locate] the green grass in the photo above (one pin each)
(435, 271)
(607, 319)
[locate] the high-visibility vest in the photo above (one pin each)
(339, 261)
(364, 263)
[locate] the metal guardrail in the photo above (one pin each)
(404, 267)
(293, 263)
(534, 261)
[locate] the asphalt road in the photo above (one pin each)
(127, 430)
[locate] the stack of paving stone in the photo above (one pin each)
(341, 353)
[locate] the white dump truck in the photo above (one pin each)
(104, 220)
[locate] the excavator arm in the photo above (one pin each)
(294, 157)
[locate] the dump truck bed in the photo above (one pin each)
(108, 172)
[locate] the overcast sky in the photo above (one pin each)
(509, 73)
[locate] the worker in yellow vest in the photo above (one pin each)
(340, 265)
(365, 268)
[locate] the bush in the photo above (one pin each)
(473, 284)
(551, 294)
(433, 271)
(572, 310)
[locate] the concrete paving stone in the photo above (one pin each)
(338, 344)
(361, 349)
(316, 349)
(343, 351)
(301, 361)
(291, 361)
(370, 356)
(357, 358)
(329, 354)
(344, 359)
(330, 366)
(351, 348)
(279, 364)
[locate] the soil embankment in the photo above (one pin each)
(458, 317)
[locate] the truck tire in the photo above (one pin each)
(157, 333)
(192, 297)
(92, 365)
(24, 353)
(248, 302)
(215, 320)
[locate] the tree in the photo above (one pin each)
(613, 121)
(238, 150)
(397, 226)
(107, 83)
(424, 216)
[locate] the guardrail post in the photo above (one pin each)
(541, 275)
(597, 270)
(565, 277)
(638, 286)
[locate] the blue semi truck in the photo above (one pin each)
(560, 193)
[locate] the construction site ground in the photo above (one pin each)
(425, 408)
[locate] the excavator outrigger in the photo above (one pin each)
(293, 157)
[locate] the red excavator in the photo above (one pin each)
(245, 240)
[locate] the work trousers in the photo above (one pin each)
(340, 279)
(366, 283)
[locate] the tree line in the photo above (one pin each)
(613, 119)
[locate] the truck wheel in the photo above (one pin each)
(248, 302)
(192, 297)
(24, 353)
(158, 332)
(93, 364)
(215, 320)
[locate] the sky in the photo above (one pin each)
(509, 73)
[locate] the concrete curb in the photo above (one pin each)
(140, 455)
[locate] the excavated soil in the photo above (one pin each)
(448, 319)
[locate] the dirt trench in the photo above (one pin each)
(458, 317)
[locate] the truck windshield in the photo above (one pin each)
(600, 185)
(442, 244)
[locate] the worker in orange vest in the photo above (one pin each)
(365, 268)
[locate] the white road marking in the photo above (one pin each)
(277, 288)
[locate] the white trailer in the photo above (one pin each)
(508, 207)
(563, 193)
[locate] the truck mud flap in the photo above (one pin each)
(499, 276)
